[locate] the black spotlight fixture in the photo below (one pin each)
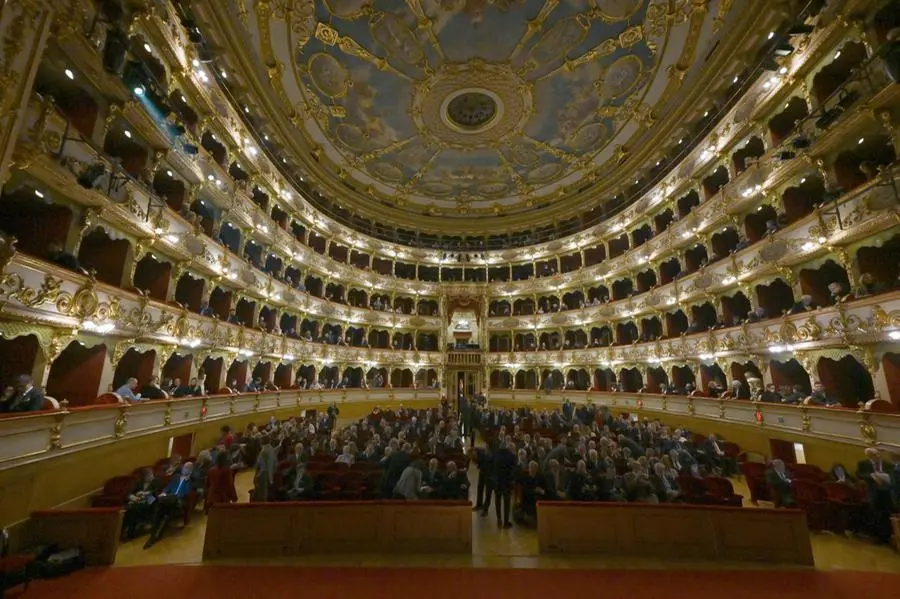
(801, 143)
(786, 155)
(769, 64)
(784, 49)
(800, 29)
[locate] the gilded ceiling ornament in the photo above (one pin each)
(601, 50)
(348, 9)
(396, 38)
(326, 34)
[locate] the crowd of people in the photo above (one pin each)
(524, 455)
(581, 453)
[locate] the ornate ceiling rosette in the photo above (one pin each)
(459, 109)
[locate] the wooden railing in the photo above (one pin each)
(48, 434)
(842, 425)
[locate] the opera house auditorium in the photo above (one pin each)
(449, 298)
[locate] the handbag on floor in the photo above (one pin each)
(61, 563)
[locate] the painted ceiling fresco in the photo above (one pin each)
(445, 106)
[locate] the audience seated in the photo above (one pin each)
(23, 397)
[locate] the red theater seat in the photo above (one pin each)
(114, 491)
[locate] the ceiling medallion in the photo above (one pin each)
(471, 110)
(475, 104)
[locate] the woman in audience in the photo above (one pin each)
(219, 484)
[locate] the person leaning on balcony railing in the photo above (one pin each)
(60, 257)
(868, 285)
(23, 397)
(837, 293)
(806, 304)
(152, 390)
(820, 397)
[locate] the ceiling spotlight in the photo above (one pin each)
(39, 193)
(69, 73)
(861, 140)
(837, 54)
(706, 114)
(771, 35)
(658, 162)
(266, 137)
(127, 133)
(169, 173)
(148, 48)
(139, 91)
(210, 178)
(681, 141)
(801, 29)
(803, 180)
(224, 75)
(183, 99)
(246, 110)
(195, 62)
(736, 79)
(783, 71)
(783, 49)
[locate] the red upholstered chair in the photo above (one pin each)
(114, 491)
(328, 485)
(847, 506)
(692, 489)
(808, 472)
(722, 491)
(731, 450)
(373, 485)
(353, 485)
(812, 498)
(755, 475)
(363, 467)
(340, 467)
(109, 398)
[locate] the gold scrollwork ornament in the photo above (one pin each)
(121, 425)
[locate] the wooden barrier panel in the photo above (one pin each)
(674, 531)
(291, 528)
(95, 530)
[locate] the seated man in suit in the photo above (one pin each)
(771, 395)
(796, 396)
(820, 397)
(581, 486)
(666, 489)
(431, 478)
(837, 293)
(139, 504)
(303, 486)
(533, 490)
(756, 315)
(170, 503)
(152, 390)
(806, 304)
(26, 397)
(454, 485)
(779, 479)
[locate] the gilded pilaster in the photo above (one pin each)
(24, 28)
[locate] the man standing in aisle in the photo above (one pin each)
(504, 473)
(481, 457)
